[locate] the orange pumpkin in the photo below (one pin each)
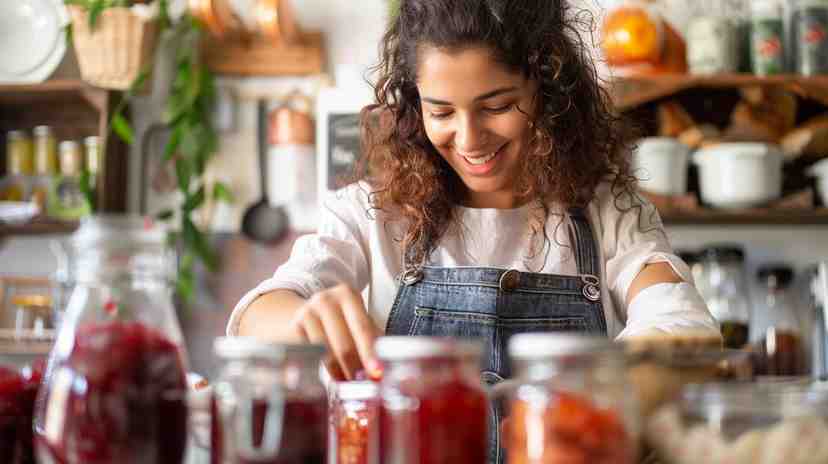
(632, 35)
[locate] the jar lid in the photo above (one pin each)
(31, 301)
(775, 275)
(128, 229)
(247, 347)
(724, 252)
(15, 135)
(404, 348)
(42, 130)
(546, 345)
(358, 390)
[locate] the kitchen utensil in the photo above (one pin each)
(32, 44)
(739, 175)
(263, 222)
(661, 165)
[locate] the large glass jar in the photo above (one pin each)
(115, 388)
(743, 423)
(270, 404)
(433, 408)
(570, 402)
(354, 410)
(781, 344)
(727, 296)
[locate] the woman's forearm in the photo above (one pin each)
(270, 315)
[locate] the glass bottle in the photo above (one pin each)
(809, 36)
(45, 165)
(777, 332)
(570, 402)
(354, 422)
(433, 409)
(728, 298)
(270, 406)
(15, 185)
(115, 388)
(66, 200)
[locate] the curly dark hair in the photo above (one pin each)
(578, 140)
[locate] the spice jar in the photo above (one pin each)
(115, 389)
(354, 410)
(570, 403)
(777, 333)
(726, 293)
(270, 405)
(433, 409)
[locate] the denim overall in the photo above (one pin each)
(493, 304)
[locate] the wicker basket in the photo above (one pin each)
(117, 50)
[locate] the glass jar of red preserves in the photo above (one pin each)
(569, 403)
(115, 389)
(18, 390)
(270, 406)
(354, 410)
(433, 409)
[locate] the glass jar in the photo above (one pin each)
(354, 410)
(727, 297)
(66, 200)
(45, 164)
(433, 408)
(32, 316)
(767, 49)
(115, 389)
(809, 32)
(743, 423)
(18, 390)
(270, 404)
(571, 402)
(14, 186)
(776, 332)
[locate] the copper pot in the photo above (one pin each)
(276, 20)
(216, 15)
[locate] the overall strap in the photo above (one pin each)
(586, 251)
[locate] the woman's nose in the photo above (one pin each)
(470, 135)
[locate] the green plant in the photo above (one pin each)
(193, 139)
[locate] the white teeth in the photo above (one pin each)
(480, 159)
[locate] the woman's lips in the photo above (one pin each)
(479, 165)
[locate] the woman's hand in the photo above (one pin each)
(337, 318)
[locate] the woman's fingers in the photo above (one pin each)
(362, 329)
(340, 339)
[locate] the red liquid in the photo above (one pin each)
(304, 434)
(355, 423)
(568, 430)
(17, 397)
(780, 353)
(125, 402)
(448, 427)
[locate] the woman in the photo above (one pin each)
(498, 199)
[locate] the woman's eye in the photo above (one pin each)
(440, 115)
(500, 109)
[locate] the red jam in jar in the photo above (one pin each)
(18, 391)
(119, 396)
(433, 409)
(355, 422)
(565, 429)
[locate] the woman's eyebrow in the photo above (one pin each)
(485, 96)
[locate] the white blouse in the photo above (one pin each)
(357, 246)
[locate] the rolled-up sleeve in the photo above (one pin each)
(335, 254)
(632, 236)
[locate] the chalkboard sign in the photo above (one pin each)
(343, 148)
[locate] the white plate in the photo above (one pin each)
(32, 42)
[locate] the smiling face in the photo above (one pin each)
(476, 114)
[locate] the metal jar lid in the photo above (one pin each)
(530, 346)
(402, 348)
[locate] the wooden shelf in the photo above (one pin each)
(629, 92)
(52, 89)
(40, 226)
(747, 217)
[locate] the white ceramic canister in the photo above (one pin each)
(739, 175)
(660, 164)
